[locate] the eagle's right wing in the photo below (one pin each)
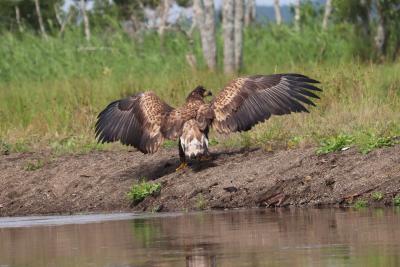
(250, 100)
(135, 120)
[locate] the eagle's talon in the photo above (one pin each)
(182, 166)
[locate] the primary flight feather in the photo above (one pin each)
(145, 121)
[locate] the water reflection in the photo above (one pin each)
(283, 237)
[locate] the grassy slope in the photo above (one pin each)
(51, 91)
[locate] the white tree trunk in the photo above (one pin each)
(238, 24)
(381, 32)
(209, 24)
(327, 13)
(40, 19)
(85, 20)
(18, 18)
(250, 14)
(164, 11)
(205, 20)
(297, 15)
(228, 35)
(278, 15)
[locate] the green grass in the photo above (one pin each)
(51, 91)
(377, 196)
(360, 203)
(34, 165)
(396, 200)
(335, 143)
(139, 192)
(201, 203)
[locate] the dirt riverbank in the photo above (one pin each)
(39, 183)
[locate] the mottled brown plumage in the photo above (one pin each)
(144, 120)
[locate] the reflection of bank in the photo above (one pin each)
(201, 257)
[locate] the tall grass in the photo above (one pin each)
(51, 91)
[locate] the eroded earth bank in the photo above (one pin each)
(99, 181)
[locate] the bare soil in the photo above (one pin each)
(41, 183)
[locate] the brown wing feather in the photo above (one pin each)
(247, 101)
(135, 121)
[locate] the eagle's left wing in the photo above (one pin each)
(250, 100)
(135, 120)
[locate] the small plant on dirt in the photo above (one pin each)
(359, 204)
(200, 202)
(335, 143)
(377, 196)
(34, 165)
(4, 147)
(140, 191)
(396, 201)
(377, 142)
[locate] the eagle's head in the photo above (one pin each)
(199, 93)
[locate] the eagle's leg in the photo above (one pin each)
(182, 157)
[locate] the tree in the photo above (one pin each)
(232, 27)
(40, 19)
(239, 17)
(18, 14)
(204, 14)
(297, 15)
(164, 11)
(85, 19)
(228, 35)
(278, 16)
(250, 13)
(327, 13)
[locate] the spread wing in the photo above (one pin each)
(135, 120)
(250, 100)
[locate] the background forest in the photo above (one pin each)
(60, 66)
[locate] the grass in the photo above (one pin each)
(201, 203)
(51, 91)
(139, 192)
(377, 196)
(335, 143)
(360, 203)
(34, 165)
(396, 200)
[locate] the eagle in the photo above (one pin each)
(144, 121)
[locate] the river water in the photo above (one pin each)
(258, 237)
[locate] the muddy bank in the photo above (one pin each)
(39, 183)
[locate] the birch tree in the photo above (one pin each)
(250, 13)
(40, 19)
(238, 33)
(204, 12)
(228, 35)
(85, 19)
(327, 13)
(164, 11)
(297, 15)
(278, 16)
(18, 18)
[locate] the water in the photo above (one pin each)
(283, 237)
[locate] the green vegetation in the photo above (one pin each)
(140, 191)
(360, 203)
(377, 196)
(201, 203)
(396, 200)
(335, 143)
(34, 165)
(377, 142)
(52, 90)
